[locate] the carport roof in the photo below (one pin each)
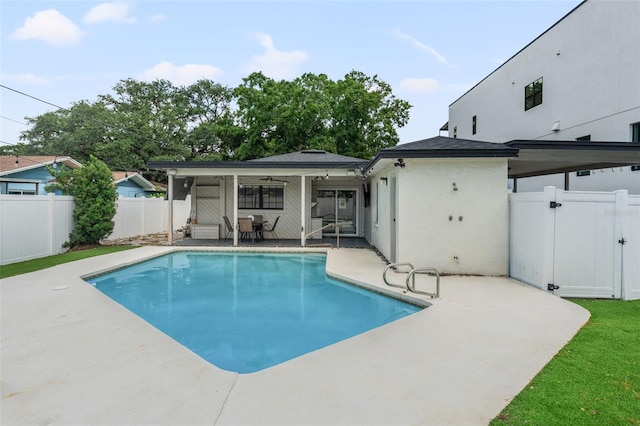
(544, 157)
(444, 147)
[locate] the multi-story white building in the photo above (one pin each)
(577, 81)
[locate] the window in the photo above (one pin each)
(635, 132)
(635, 168)
(266, 197)
(583, 173)
(473, 125)
(533, 94)
(455, 132)
(586, 138)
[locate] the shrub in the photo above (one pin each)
(95, 200)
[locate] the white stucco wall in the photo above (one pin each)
(589, 62)
(477, 244)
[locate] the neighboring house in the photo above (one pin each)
(133, 184)
(442, 201)
(578, 81)
(28, 175)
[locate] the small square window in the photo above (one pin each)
(635, 132)
(533, 94)
(583, 173)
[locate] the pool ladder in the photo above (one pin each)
(410, 282)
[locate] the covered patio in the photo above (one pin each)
(312, 194)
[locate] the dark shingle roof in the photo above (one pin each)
(445, 147)
(309, 159)
(309, 156)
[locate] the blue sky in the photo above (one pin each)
(430, 52)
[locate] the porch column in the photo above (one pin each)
(235, 210)
(303, 203)
(170, 174)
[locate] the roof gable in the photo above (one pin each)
(10, 164)
(309, 156)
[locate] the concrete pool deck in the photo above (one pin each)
(72, 356)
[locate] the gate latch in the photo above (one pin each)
(552, 287)
(553, 204)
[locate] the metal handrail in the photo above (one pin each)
(336, 225)
(411, 277)
(410, 282)
(394, 266)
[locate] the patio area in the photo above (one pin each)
(73, 356)
(349, 242)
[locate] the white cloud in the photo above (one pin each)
(274, 63)
(181, 76)
(424, 47)
(49, 26)
(105, 12)
(25, 78)
(158, 17)
(420, 85)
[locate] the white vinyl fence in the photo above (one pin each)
(576, 244)
(33, 226)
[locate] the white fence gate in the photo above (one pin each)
(33, 226)
(576, 244)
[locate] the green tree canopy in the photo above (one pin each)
(142, 121)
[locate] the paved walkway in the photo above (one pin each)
(72, 356)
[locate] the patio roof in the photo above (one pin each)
(287, 163)
(544, 157)
(526, 157)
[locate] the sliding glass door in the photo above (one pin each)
(338, 206)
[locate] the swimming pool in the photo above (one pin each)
(244, 312)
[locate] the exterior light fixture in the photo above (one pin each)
(400, 163)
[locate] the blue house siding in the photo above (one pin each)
(40, 174)
(130, 189)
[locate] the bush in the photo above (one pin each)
(95, 200)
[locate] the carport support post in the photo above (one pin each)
(235, 210)
(170, 174)
(566, 181)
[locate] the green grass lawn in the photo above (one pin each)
(593, 380)
(49, 261)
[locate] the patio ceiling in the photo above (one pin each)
(537, 158)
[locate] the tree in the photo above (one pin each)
(79, 131)
(366, 115)
(142, 121)
(356, 116)
(95, 200)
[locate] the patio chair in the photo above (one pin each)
(246, 228)
(227, 222)
(267, 227)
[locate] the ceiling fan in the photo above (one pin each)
(270, 179)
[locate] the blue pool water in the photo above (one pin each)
(244, 312)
